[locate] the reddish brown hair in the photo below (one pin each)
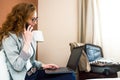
(16, 19)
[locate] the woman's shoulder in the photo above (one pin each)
(12, 35)
(11, 38)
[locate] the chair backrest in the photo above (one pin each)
(4, 74)
(94, 52)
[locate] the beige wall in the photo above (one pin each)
(58, 21)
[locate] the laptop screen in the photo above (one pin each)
(74, 58)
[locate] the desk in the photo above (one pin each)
(91, 75)
(105, 79)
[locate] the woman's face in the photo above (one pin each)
(33, 20)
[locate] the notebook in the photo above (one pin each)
(71, 65)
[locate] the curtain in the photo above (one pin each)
(85, 21)
(110, 23)
(89, 24)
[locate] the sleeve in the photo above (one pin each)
(16, 57)
(34, 62)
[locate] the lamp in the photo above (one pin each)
(38, 37)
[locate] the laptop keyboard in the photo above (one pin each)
(59, 70)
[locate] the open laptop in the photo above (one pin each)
(71, 65)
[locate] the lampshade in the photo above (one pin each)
(37, 35)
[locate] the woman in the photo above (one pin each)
(19, 46)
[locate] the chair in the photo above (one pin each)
(4, 74)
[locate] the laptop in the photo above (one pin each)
(71, 65)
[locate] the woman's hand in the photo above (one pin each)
(27, 37)
(50, 66)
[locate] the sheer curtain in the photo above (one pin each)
(110, 27)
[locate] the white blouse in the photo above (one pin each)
(29, 65)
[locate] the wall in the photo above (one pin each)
(58, 21)
(6, 6)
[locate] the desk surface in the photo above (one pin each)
(105, 79)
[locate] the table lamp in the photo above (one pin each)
(38, 36)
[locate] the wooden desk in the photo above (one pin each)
(105, 79)
(91, 75)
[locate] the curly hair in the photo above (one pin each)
(16, 19)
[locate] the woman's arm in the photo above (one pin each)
(16, 56)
